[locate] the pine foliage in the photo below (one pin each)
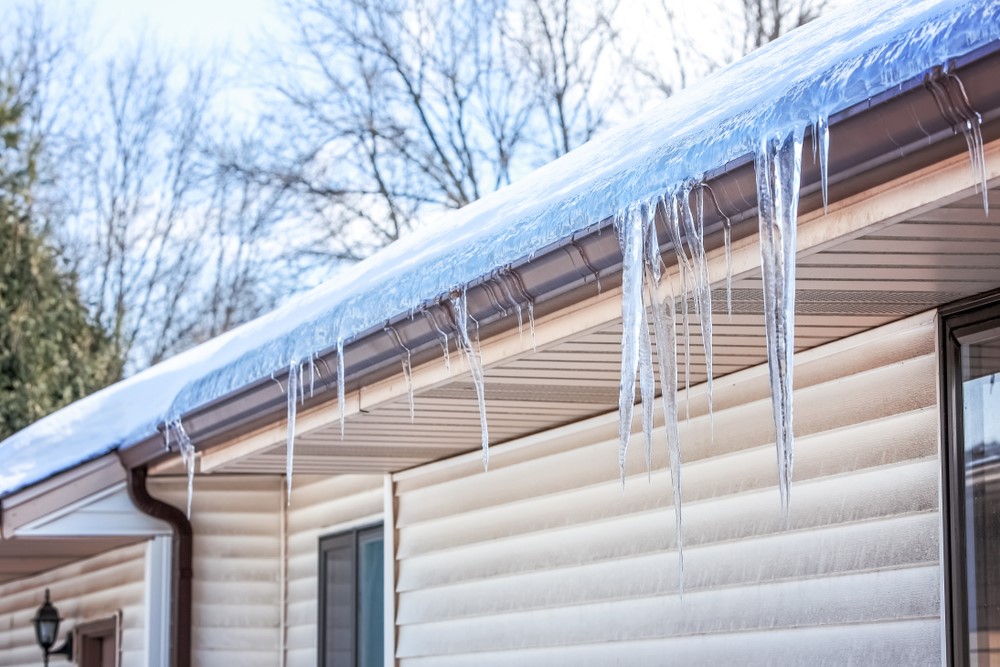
(51, 352)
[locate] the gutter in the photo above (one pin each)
(181, 565)
(878, 140)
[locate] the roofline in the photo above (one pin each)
(61, 490)
(882, 138)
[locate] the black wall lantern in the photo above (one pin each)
(46, 622)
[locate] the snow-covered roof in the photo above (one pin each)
(829, 65)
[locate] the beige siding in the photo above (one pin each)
(544, 560)
(320, 506)
(237, 547)
(87, 590)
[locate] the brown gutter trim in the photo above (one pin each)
(181, 566)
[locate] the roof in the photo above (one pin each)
(829, 65)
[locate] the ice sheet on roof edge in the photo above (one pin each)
(828, 65)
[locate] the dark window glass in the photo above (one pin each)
(972, 372)
(370, 586)
(351, 599)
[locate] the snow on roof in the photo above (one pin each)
(828, 65)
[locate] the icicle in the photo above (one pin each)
(408, 374)
(694, 228)
(531, 324)
(444, 343)
(977, 156)
(664, 329)
(665, 332)
(821, 138)
(475, 366)
(647, 381)
(685, 268)
(778, 166)
(302, 386)
(727, 236)
(647, 389)
(407, 362)
(186, 449)
(294, 382)
(630, 238)
(511, 299)
(340, 384)
(312, 376)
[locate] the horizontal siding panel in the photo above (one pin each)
(237, 568)
(319, 507)
(874, 349)
(882, 545)
(544, 560)
(915, 643)
(86, 590)
(856, 598)
(865, 496)
(907, 436)
(831, 405)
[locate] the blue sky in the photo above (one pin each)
(184, 24)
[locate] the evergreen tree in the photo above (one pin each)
(51, 352)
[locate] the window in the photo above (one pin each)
(971, 370)
(97, 643)
(351, 599)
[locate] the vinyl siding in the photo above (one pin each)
(544, 559)
(320, 506)
(86, 590)
(237, 548)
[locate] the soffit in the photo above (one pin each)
(24, 557)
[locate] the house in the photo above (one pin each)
(160, 518)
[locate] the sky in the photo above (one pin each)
(202, 25)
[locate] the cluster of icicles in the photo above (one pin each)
(647, 287)
(647, 293)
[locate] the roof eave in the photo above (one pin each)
(873, 142)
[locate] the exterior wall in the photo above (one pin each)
(237, 551)
(320, 506)
(86, 590)
(544, 560)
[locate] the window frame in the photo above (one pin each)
(108, 628)
(326, 543)
(960, 323)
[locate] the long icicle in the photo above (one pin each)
(630, 239)
(186, 449)
(778, 165)
(821, 139)
(686, 273)
(461, 305)
(294, 380)
(665, 332)
(694, 224)
(647, 389)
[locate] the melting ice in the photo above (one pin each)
(461, 306)
(187, 452)
(294, 381)
(778, 164)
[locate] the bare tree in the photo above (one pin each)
(568, 50)
(694, 47)
(766, 20)
(168, 245)
(393, 111)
